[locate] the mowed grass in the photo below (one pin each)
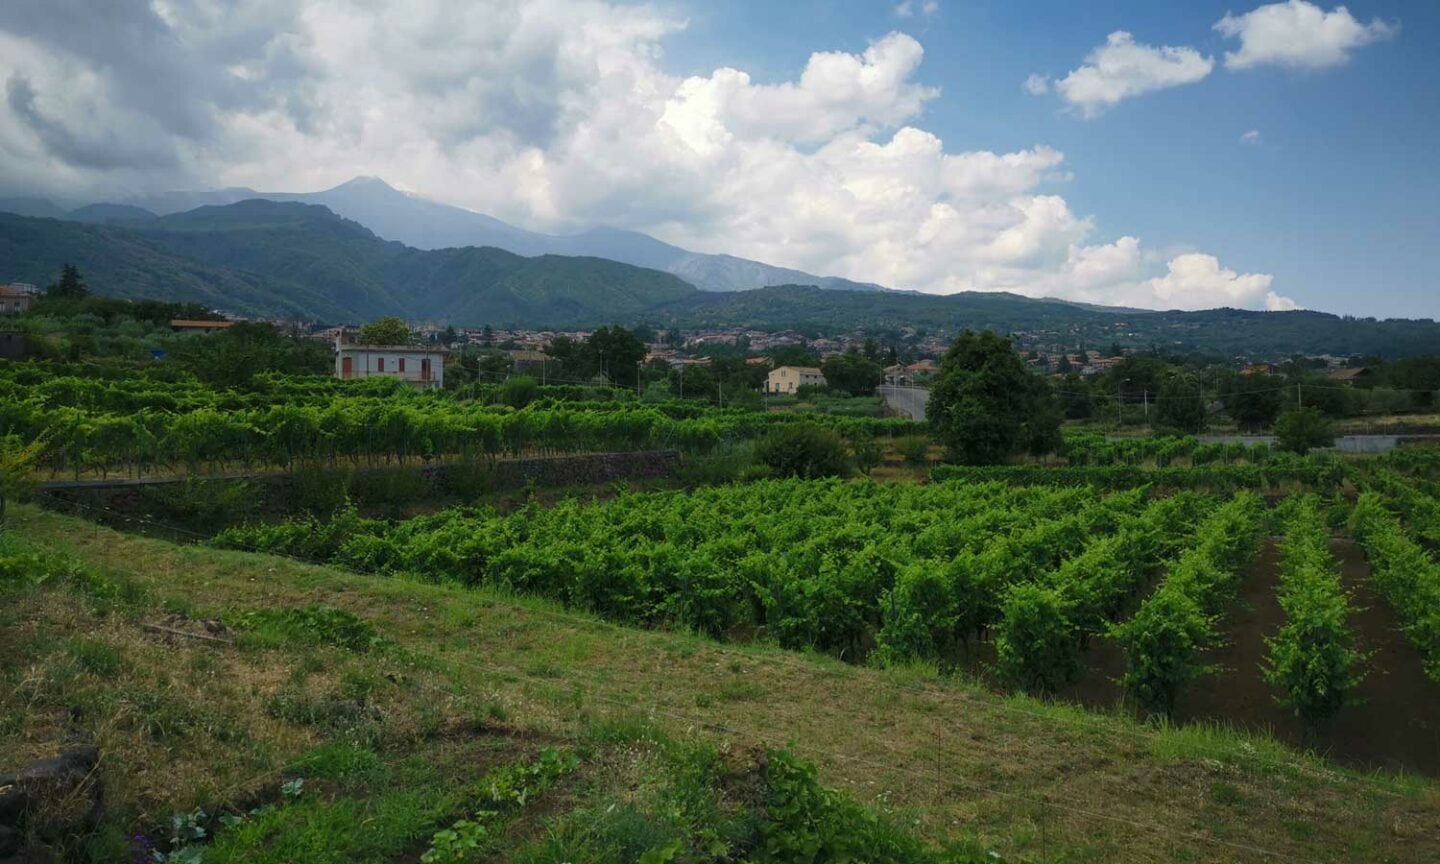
(463, 679)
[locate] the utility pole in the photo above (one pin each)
(1299, 400)
(639, 366)
(1145, 394)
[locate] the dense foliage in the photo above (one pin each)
(824, 564)
(146, 422)
(986, 406)
(1164, 639)
(1312, 658)
(1407, 576)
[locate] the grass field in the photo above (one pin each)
(394, 713)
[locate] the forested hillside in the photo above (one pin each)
(291, 259)
(270, 258)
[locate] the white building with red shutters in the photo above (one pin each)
(420, 365)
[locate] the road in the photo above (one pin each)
(906, 401)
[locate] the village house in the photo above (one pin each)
(186, 325)
(529, 362)
(422, 366)
(1350, 375)
(898, 375)
(16, 298)
(788, 379)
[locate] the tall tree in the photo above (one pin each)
(986, 406)
(617, 354)
(852, 373)
(387, 331)
(1182, 405)
(71, 285)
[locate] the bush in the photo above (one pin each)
(914, 449)
(1300, 430)
(517, 392)
(804, 450)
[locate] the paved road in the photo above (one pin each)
(906, 401)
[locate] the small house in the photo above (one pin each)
(16, 298)
(422, 366)
(788, 379)
(185, 325)
(1350, 375)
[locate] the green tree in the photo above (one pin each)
(1076, 400)
(1300, 430)
(71, 285)
(232, 357)
(865, 452)
(794, 355)
(17, 460)
(617, 353)
(387, 331)
(1182, 405)
(1253, 401)
(852, 373)
(804, 450)
(986, 406)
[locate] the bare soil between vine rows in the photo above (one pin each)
(1396, 723)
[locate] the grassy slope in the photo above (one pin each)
(1036, 782)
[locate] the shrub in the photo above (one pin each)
(804, 450)
(1300, 430)
(914, 449)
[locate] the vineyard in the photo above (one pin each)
(138, 424)
(1120, 570)
(1020, 580)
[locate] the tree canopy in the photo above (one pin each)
(986, 406)
(389, 330)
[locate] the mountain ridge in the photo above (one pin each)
(429, 225)
(290, 259)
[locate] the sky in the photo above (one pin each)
(1184, 154)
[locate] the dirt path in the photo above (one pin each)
(1397, 721)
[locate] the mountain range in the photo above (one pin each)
(293, 259)
(425, 224)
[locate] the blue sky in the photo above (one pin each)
(1031, 147)
(1338, 199)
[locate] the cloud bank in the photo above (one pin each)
(559, 115)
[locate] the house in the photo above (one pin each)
(185, 325)
(529, 362)
(1351, 375)
(788, 379)
(898, 375)
(16, 298)
(422, 366)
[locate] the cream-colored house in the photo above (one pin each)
(788, 379)
(421, 366)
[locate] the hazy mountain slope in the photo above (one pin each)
(424, 224)
(287, 258)
(36, 208)
(122, 263)
(110, 214)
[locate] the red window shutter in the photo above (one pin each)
(382, 364)
(402, 364)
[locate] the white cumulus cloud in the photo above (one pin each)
(1121, 69)
(1298, 34)
(560, 116)
(1251, 136)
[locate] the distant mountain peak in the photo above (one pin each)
(366, 181)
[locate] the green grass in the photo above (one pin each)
(392, 736)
